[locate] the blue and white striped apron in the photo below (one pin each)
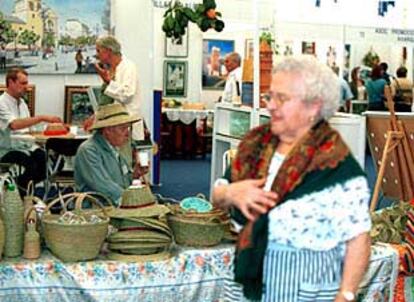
(300, 275)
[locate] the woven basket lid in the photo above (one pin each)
(139, 236)
(136, 245)
(149, 223)
(139, 258)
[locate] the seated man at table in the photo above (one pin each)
(99, 165)
(15, 118)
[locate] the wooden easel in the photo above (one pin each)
(395, 139)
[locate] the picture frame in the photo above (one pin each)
(213, 71)
(29, 97)
(77, 105)
(249, 49)
(175, 78)
(177, 48)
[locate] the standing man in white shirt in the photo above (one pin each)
(232, 89)
(120, 80)
(14, 118)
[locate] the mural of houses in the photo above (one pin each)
(31, 16)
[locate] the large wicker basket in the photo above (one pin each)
(74, 242)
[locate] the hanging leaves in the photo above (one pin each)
(176, 18)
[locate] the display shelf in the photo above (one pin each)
(351, 127)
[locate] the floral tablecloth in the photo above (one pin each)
(190, 275)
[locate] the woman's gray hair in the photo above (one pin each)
(319, 81)
(109, 42)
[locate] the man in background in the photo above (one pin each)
(232, 88)
(15, 118)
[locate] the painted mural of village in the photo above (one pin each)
(52, 36)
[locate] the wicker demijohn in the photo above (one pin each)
(74, 242)
(13, 222)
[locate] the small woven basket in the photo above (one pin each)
(196, 232)
(74, 242)
(31, 237)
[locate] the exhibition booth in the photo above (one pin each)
(184, 256)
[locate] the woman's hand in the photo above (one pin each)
(248, 196)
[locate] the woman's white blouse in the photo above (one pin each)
(322, 219)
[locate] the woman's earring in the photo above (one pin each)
(312, 119)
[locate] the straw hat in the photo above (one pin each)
(138, 202)
(113, 115)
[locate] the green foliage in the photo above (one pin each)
(370, 59)
(176, 18)
(268, 38)
(7, 34)
(28, 37)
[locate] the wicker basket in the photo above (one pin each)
(74, 242)
(197, 232)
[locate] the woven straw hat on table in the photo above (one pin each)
(138, 201)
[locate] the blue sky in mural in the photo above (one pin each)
(87, 11)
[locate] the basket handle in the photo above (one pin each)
(201, 195)
(103, 196)
(61, 199)
(26, 219)
(84, 196)
(30, 189)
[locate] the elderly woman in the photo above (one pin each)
(301, 195)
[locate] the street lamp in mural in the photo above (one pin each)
(45, 36)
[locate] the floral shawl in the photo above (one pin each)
(321, 148)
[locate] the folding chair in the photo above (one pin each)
(60, 151)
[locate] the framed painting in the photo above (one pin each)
(308, 48)
(213, 71)
(77, 105)
(177, 47)
(53, 37)
(175, 78)
(29, 97)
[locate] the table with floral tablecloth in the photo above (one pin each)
(192, 274)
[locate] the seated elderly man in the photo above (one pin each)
(99, 166)
(15, 118)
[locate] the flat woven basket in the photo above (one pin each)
(74, 242)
